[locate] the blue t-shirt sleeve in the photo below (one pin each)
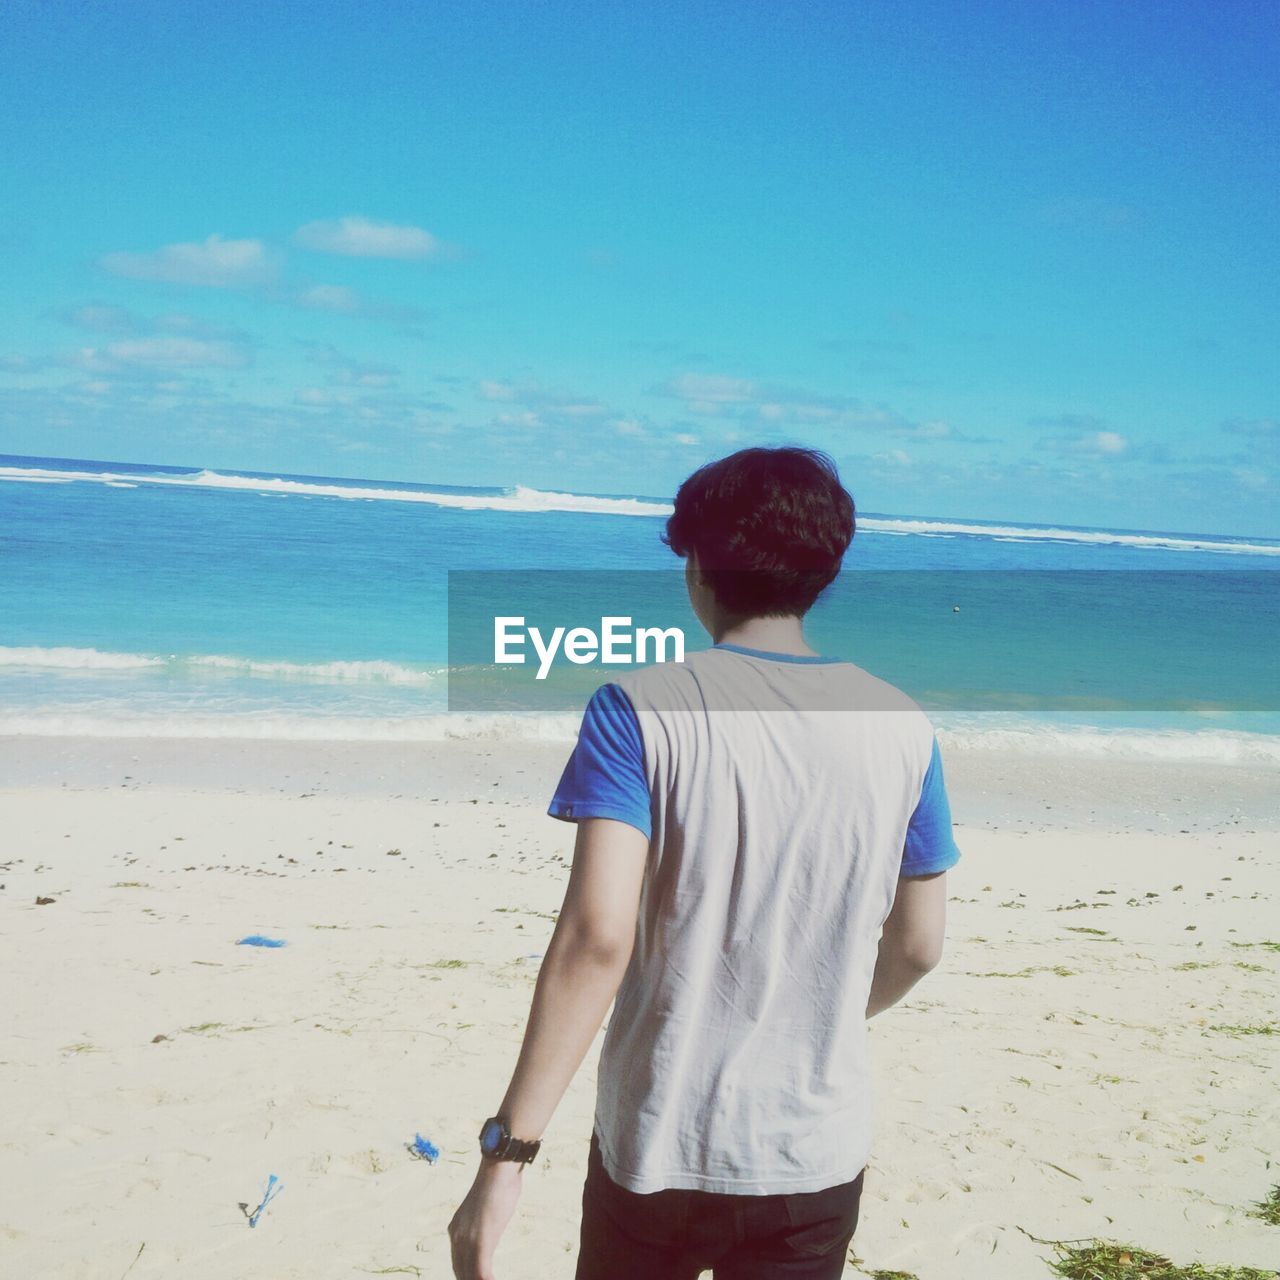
(605, 776)
(930, 846)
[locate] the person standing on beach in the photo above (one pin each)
(760, 867)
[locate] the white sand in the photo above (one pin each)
(1046, 1081)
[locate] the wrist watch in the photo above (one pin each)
(497, 1143)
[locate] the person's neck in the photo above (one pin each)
(768, 635)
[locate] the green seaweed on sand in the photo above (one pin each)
(1105, 1260)
(1061, 970)
(1269, 1209)
(1256, 1029)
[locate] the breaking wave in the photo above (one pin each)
(522, 498)
(517, 499)
(90, 660)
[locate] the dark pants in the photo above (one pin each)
(676, 1235)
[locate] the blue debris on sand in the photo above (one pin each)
(273, 1189)
(257, 940)
(423, 1149)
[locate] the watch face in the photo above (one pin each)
(491, 1137)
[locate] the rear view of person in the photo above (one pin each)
(763, 834)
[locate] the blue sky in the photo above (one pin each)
(1005, 260)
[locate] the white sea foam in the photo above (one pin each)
(292, 728)
(384, 672)
(1103, 537)
(71, 659)
(518, 499)
(1198, 747)
(1204, 746)
(528, 500)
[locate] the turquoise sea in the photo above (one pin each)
(167, 601)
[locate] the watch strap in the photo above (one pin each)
(520, 1152)
(508, 1147)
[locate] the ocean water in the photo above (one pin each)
(164, 601)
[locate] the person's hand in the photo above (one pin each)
(482, 1217)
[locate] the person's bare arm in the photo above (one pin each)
(583, 967)
(911, 943)
(581, 972)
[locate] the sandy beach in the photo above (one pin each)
(1092, 1058)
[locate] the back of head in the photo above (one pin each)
(768, 528)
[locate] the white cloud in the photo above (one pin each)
(542, 400)
(174, 352)
(101, 318)
(714, 394)
(327, 399)
(1254, 479)
(357, 237)
(1084, 435)
(330, 297)
(347, 371)
(936, 430)
(215, 262)
(98, 317)
(1107, 442)
(757, 405)
(709, 388)
(1095, 443)
(342, 300)
(91, 360)
(525, 419)
(487, 389)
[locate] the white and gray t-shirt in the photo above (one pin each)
(783, 798)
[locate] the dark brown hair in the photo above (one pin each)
(769, 528)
